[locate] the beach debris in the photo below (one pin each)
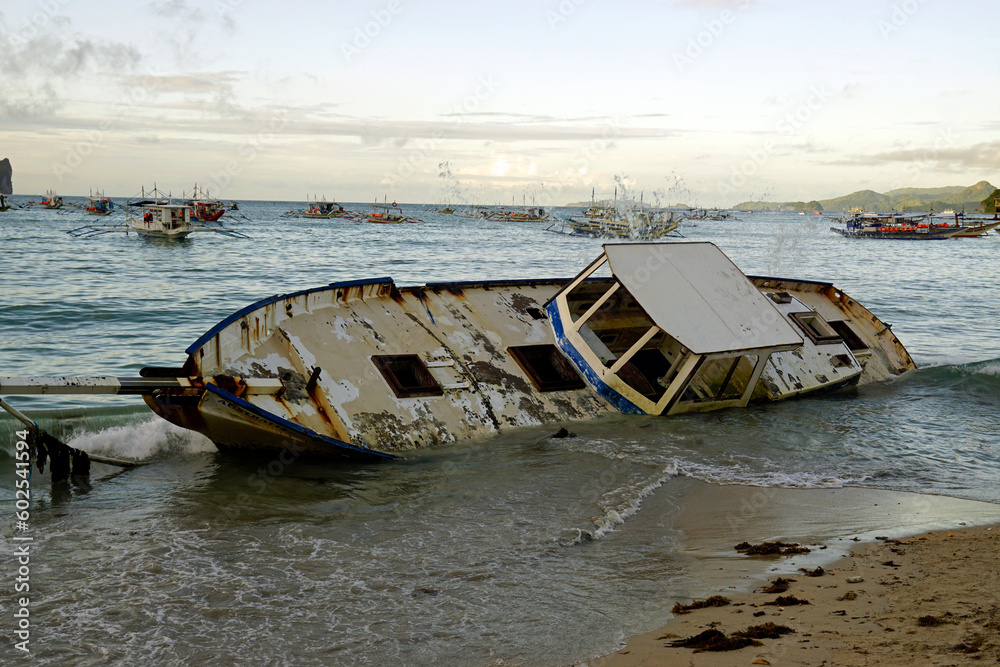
(713, 601)
(818, 572)
(563, 433)
(786, 601)
(770, 549)
(855, 580)
(931, 621)
(970, 644)
(849, 595)
(715, 640)
(779, 585)
(760, 613)
(889, 563)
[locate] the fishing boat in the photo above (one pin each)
(204, 207)
(99, 205)
(523, 214)
(320, 208)
(969, 227)
(446, 210)
(366, 369)
(52, 200)
(388, 214)
(156, 215)
(4, 206)
(903, 226)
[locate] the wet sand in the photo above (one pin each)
(890, 594)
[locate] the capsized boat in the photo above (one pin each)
(366, 369)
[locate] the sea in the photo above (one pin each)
(518, 549)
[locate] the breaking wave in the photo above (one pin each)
(142, 441)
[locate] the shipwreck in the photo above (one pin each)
(367, 369)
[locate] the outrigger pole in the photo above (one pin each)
(67, 385)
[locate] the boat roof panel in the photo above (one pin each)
(694, 292)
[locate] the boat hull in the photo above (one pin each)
(368, 369)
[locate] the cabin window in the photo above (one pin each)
(854, 342)
(546, 367)
(407, 375)
(814, 326)
(721, 379)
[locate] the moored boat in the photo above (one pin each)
(902, 226)
(388, 214)
(366, 369)
(99, 205)
(204, 207)
(320, 208)
(52, 200)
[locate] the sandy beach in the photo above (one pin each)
(900, 597)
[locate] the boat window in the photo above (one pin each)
(547, 368)
(816, 328)
(854, 342)
(407, 375)
(720, 379)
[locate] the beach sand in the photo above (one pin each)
(909, 579)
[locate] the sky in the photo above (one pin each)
(701, 102)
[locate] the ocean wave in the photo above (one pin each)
(142, 441)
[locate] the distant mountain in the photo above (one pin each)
(919, 199)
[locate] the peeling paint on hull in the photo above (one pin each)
(453, 347)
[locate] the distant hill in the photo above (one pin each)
(908, 199)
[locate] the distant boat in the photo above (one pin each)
(155, 215)
(99, 205)
(388, 214)
(633, 223)
(320, 208)
(204, 207)
(52, 200)
(233, 206)
(525, 214)
(903, 226)
(447, 210)
(4, 206)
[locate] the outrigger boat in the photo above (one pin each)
(99, 205)
(52, 200)
(895, 226)
(155, 215)
(366, 369)
(388, 214)
(320, 208)
(204, 207)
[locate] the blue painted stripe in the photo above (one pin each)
(342, 448)
(208, 335)
(601, 387)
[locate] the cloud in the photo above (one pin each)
(985, 155)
